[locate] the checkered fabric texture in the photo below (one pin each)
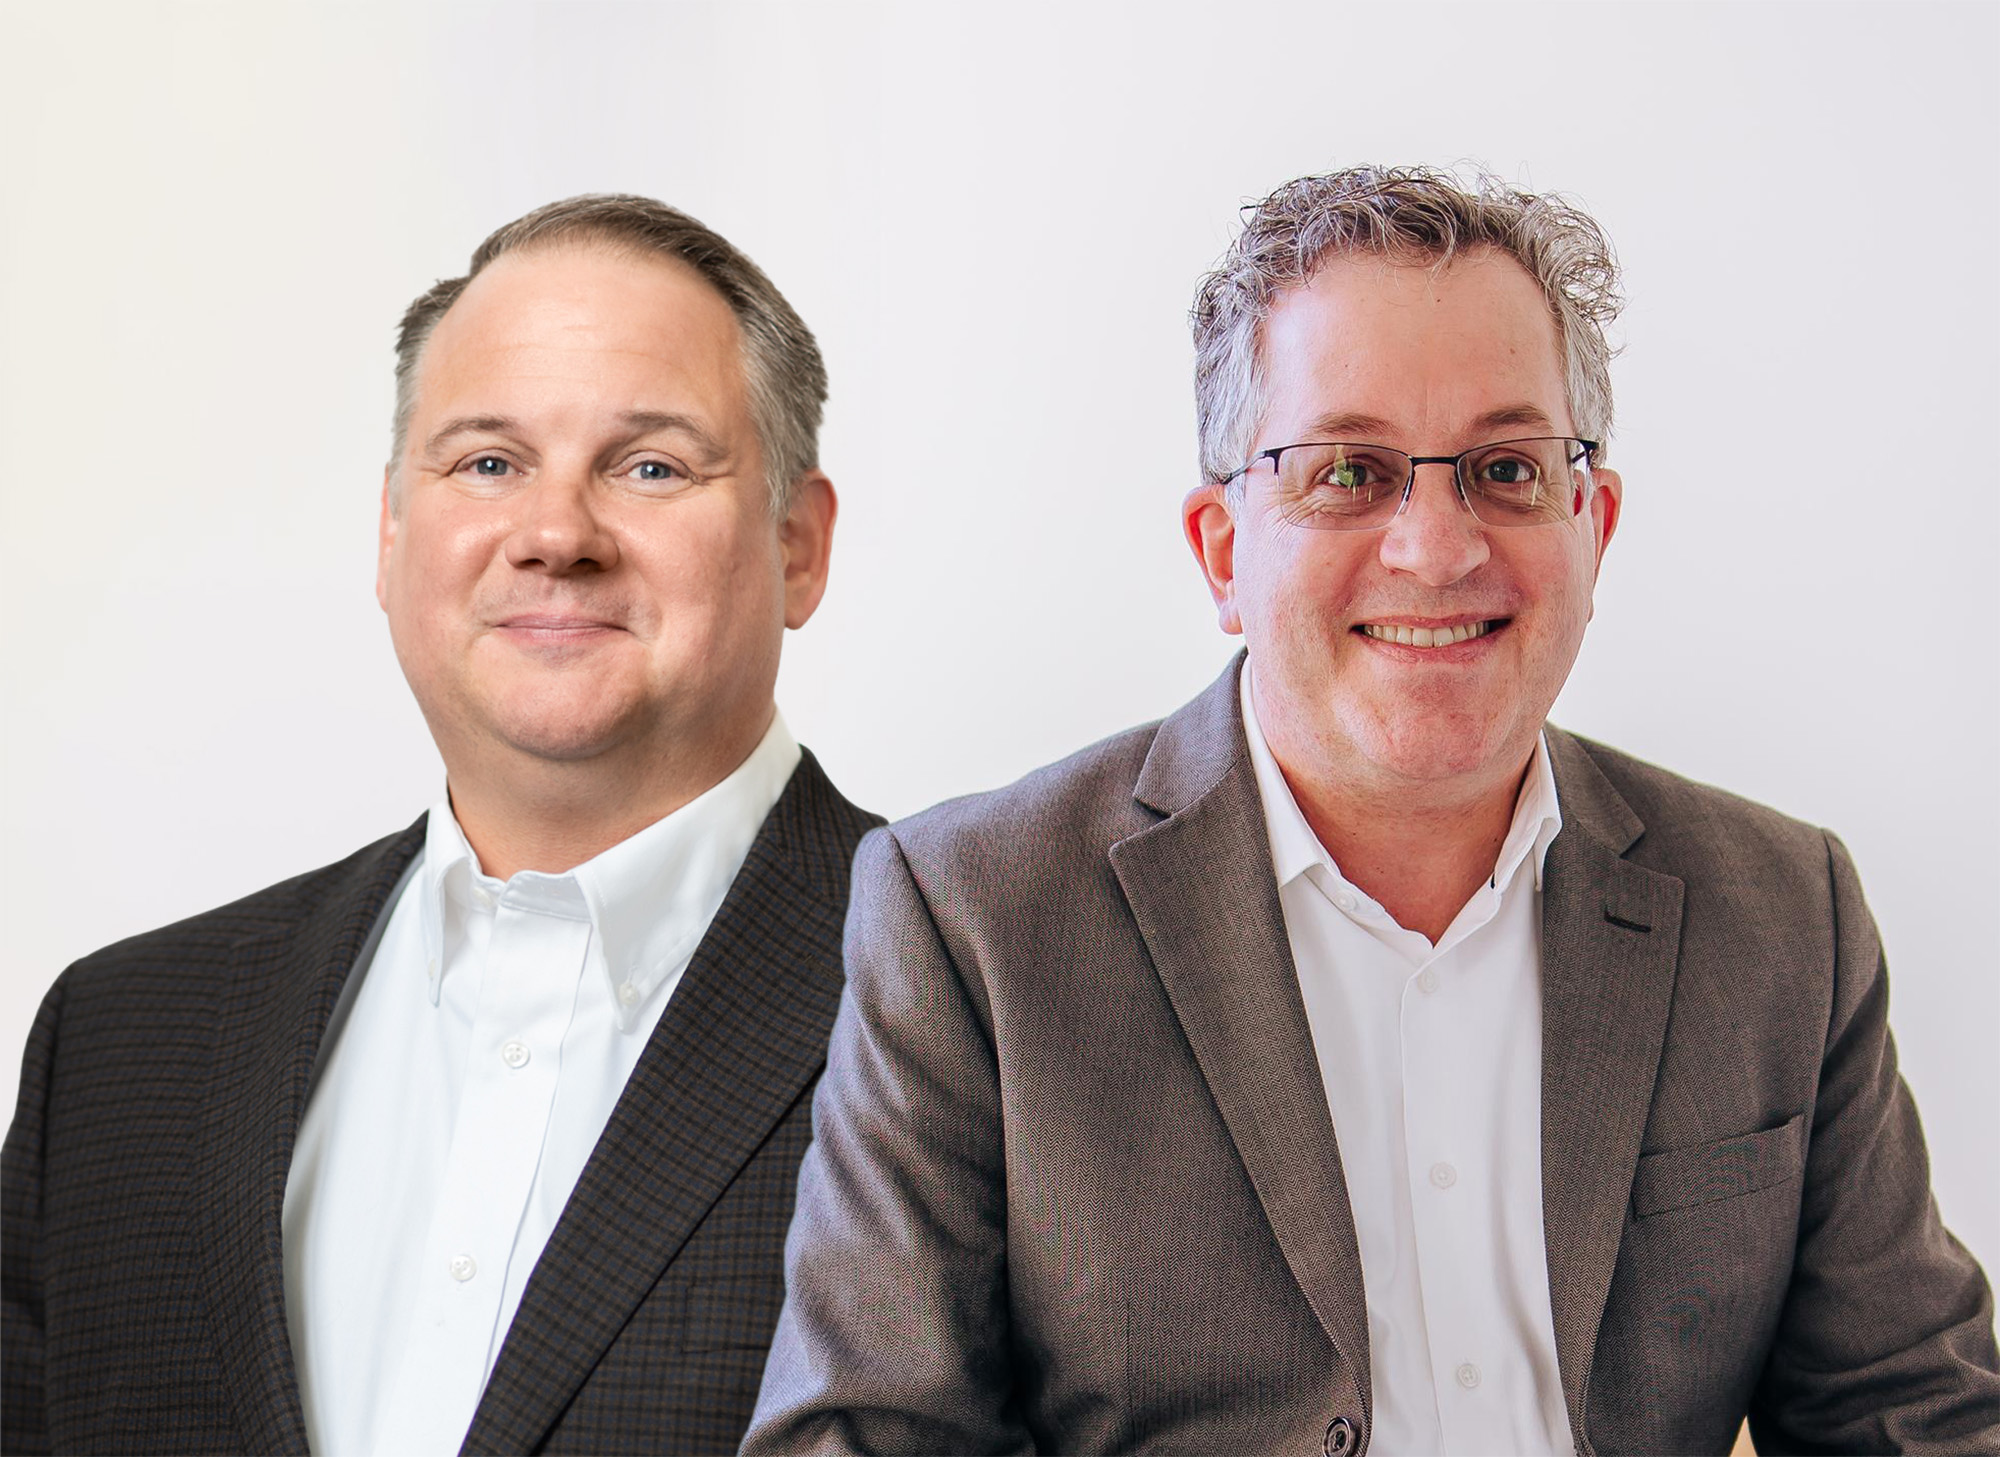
(141, 1256)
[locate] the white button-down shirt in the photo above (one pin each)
(1431, 1056)
(467, 1075)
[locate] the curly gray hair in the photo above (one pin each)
(1416, 214)
(781, 360)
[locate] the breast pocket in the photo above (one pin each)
(1678, 1178)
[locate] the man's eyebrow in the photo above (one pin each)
(470, 425)
(1364, 429)
(1531, 416)
(635, 422)
(645, 422)
(1350, 425)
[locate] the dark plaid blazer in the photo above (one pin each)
(161, 1094)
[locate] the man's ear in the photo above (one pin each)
(806, 538)
(1211, 534)
(385, 540)
(1605, 503)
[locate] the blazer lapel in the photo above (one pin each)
(279, 991)
(1201, 886)
(743, 1035)
(1610, 942)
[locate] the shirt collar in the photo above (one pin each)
(1295, 849)
(649, 899)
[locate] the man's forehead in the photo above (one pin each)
(570, 287)
(1367, 342)
(585, 313)
(1485, 285)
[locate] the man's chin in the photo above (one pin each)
(564, 735)
(1432, 752)
(554, 749)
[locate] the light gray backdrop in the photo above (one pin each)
(994, 217)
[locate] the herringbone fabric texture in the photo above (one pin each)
(1075, 1186)
(161, 1094)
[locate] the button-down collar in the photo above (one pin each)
(1296, 850)
(649, 899)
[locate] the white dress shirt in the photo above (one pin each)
(466, 1077)
(1431, 1056)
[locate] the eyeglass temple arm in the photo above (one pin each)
(1251, 464)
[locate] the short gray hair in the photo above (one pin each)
(1415, 214)
(783, 371)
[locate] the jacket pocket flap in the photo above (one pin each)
(1676, 1178)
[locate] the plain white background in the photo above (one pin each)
(994, 217)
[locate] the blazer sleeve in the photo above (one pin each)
(895, 1332)
(1886, 1341)
(24, 1425)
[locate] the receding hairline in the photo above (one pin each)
(597, 238)
(780, 362)
(606, 245)
(577, 242)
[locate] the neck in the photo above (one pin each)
(520, 812)
(1420, 848)
(1421, 862)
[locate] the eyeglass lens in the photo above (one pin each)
(1346, 487)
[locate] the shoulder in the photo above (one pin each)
(1075, 808)
(1005, 884)
(212, 938)
(1703, 834)
(1676, 808)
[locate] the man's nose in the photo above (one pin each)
(560, 527)
(1434, 538)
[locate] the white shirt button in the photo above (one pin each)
(1343, 900)
(1468, 1375)
(463, 1268)
(514, 1054)
(1427, 981)
(1444, 1176)
(627, 994)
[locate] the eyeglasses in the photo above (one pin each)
(1340, 486)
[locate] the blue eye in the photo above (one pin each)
(490, 465)
(657, 472)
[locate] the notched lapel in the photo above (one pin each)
(743, 1035)
(1202, 889)
(1610, 944)
(273, 1012)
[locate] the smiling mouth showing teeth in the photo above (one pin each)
(1427, 637)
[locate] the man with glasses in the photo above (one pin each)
(1351, 1060)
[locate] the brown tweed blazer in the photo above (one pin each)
(164, 1081)
(1075, 1186)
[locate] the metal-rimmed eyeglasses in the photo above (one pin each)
(1335, 485)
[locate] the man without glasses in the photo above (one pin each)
(1351, 1061)
(488, 1133)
